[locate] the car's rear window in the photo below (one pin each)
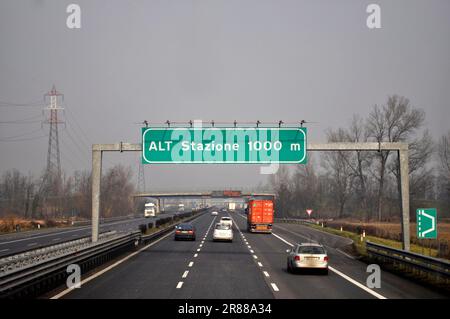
(314, 250)
(185, 226)
(226, 218)
(222, 227)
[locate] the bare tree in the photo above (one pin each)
(336, 164)
(117, 188)
(16, 191)
(443, 150)
(280, 183)
(396, 121)
(420, 173)
(444, 153)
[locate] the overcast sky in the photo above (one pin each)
(247, 60)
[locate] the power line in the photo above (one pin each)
(23, 121)
(79, 154)
(20, 135)
(69, 160)
(79, 127)
(38, 103)
(25, 139)
(86, 142)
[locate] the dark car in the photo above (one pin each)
(185, 231)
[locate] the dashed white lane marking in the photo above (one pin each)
(6, 249)
(32, 244)
(266, 274)
(180, 284)
(337, 272)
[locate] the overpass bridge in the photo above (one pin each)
(203, 195)
(210, 194)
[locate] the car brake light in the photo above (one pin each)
(297, 258)
(325, 258)
(190, 232)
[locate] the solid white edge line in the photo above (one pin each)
(370, 291)
(337, 272)
(101, 272)
(283, 240)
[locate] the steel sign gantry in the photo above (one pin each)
(400, 148)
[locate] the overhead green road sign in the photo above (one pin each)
(426, 223)
(224, 145)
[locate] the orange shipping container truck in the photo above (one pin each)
(260, 216)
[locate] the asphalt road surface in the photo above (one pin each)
(252, 266)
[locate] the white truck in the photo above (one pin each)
(232, 207)
(150, 210)
(181, 207)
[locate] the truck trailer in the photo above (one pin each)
(260, 216)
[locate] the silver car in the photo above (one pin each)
(307, 255)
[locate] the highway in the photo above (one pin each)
(252, 266)
(18, 242)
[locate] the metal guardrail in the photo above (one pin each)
(16, 262)
(35, 278)
(438, 268)
(293, 221)
(32, 273)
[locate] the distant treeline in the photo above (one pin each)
(20, 195)
(366, 185)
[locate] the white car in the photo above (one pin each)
(226, 221)
(223, 232)
(214, 213)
